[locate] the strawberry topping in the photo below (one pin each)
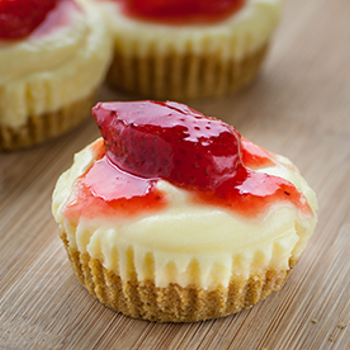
(105, 190)
(170, 141)
(18, 18)
(181, 11)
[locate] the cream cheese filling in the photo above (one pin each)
(188, 243)
(235, 37)
(53, 68)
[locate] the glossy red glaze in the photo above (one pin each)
(254, 156)
(105, 190)
(250, 193)
(181, 11)
(109, 188)
(18, 18)
(151, 139)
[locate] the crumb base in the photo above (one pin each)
(183, 77)
(40, 128)
(144, 300)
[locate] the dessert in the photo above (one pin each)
(53, 57)
(184, 50)
(173, 216)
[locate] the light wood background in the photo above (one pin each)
(299, 107)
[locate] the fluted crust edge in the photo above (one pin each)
(40, 128)
(183, 76)
(144, 300)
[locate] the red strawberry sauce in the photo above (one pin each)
(20, 18)
(128, 164)
(181, 11)
(105, 190)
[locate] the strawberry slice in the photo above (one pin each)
(170, 141)
(18, 18)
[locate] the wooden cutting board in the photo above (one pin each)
(299, 107)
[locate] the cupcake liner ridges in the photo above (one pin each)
(40, 128)
(143, 299)
(182, 76)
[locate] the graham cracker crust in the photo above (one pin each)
(144, 300)
(183, 77)
(40, 128)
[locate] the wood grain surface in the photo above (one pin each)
(299, 107)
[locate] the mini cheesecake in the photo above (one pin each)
(173, 216)
(170, 50)
(50, 75)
